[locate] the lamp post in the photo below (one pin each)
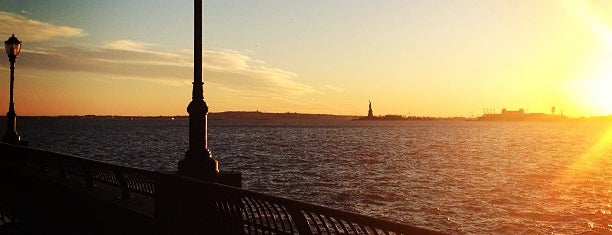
(198, 161)
(12, 47)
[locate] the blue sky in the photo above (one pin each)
(151, 20)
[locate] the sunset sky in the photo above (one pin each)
(424, 58)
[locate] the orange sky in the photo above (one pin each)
(433, 58)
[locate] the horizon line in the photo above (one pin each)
(277, 113)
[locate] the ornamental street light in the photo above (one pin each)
(198, 161)
(12, 47)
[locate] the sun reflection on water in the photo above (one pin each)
(585, 179)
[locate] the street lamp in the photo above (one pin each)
(198, 161)
(12, 47)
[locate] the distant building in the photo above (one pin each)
(512, 114)
(519, 115)
(370, 112)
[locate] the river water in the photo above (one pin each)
(459, 177)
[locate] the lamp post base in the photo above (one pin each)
(199, 164)
(203, 167)
(11, 137)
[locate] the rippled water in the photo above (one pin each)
(459, 177)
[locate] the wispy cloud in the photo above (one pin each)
(33, 30)
(333, 88)
(246, 73)
(128, 45)
(125, 59)
(104, 61)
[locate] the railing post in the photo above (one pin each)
(125, 190)
(185, 206)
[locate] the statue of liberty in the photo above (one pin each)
(370, 113)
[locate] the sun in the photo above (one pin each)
(595, 87)
(597, 94)
(592, 89)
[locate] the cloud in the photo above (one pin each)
(33, 30)
(128, 45)
(226, 69)
(333, 88)
(245, 73)
(104, 61)
(225, 60)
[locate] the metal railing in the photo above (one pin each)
(182, 204)
(128, 180)
(265, 214)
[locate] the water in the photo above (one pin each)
(459, 177)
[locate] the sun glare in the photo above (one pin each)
(597, 93)
(589, 160)
(594, 89)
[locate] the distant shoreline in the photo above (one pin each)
(256, 115)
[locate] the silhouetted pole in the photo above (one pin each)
(12, 47)
(198, 161)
